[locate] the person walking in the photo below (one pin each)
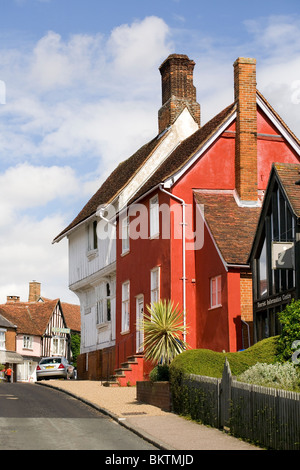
(8, 373)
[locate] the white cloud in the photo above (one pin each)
(26, 253)
(68, 97)
(137, 47)
(26, 186)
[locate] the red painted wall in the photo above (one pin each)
(212, 324)
(270, 151)
(136, 266)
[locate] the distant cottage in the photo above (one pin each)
(179, 217)
(35, 329)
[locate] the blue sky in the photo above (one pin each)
(80, 91)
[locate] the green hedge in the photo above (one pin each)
(211, 364)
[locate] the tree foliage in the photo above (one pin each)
(290, 334)
(75, 347)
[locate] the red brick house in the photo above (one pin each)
(185, 231)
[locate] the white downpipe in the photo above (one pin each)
(182, 202)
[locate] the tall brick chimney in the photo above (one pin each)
(246, 129)
(178, 91)
(34, 291)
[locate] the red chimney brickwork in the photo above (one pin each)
(246, 129)
(178, 90)
(34, 291)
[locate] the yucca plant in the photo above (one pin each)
(163, 332)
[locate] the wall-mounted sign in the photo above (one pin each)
(61, 330)
(282, 255)
(274, 301)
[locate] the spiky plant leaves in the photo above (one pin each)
(163, 332)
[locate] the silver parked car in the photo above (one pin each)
(54, 368)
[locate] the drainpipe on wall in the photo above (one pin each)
(183, 204)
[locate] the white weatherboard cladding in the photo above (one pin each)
(81, 265)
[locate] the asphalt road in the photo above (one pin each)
(40, 418)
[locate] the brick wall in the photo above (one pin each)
(178, 90)
(155, 393)
(246, 128)
(247, 305)
(10, 339)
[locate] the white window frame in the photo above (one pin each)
(215, 290)
(58, 346)
(2, 340)
(155, 284)
(103, 306)
(125, 307)
(125, 234)
(100, 312)
(154, 216)
(92, 240)
(27, 342)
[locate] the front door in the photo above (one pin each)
(139, 318)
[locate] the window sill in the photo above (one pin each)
(103, 326)
(126, 252)
(155, 236)
(215, 306)
(125, 332)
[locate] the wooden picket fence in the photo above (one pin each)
(266, 416)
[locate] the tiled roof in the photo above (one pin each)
(32, 318)
(232, 227)
(71, 314)
(289, 174)
(114, 183)
(182, 154)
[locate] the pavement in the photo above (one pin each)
(165, 430)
